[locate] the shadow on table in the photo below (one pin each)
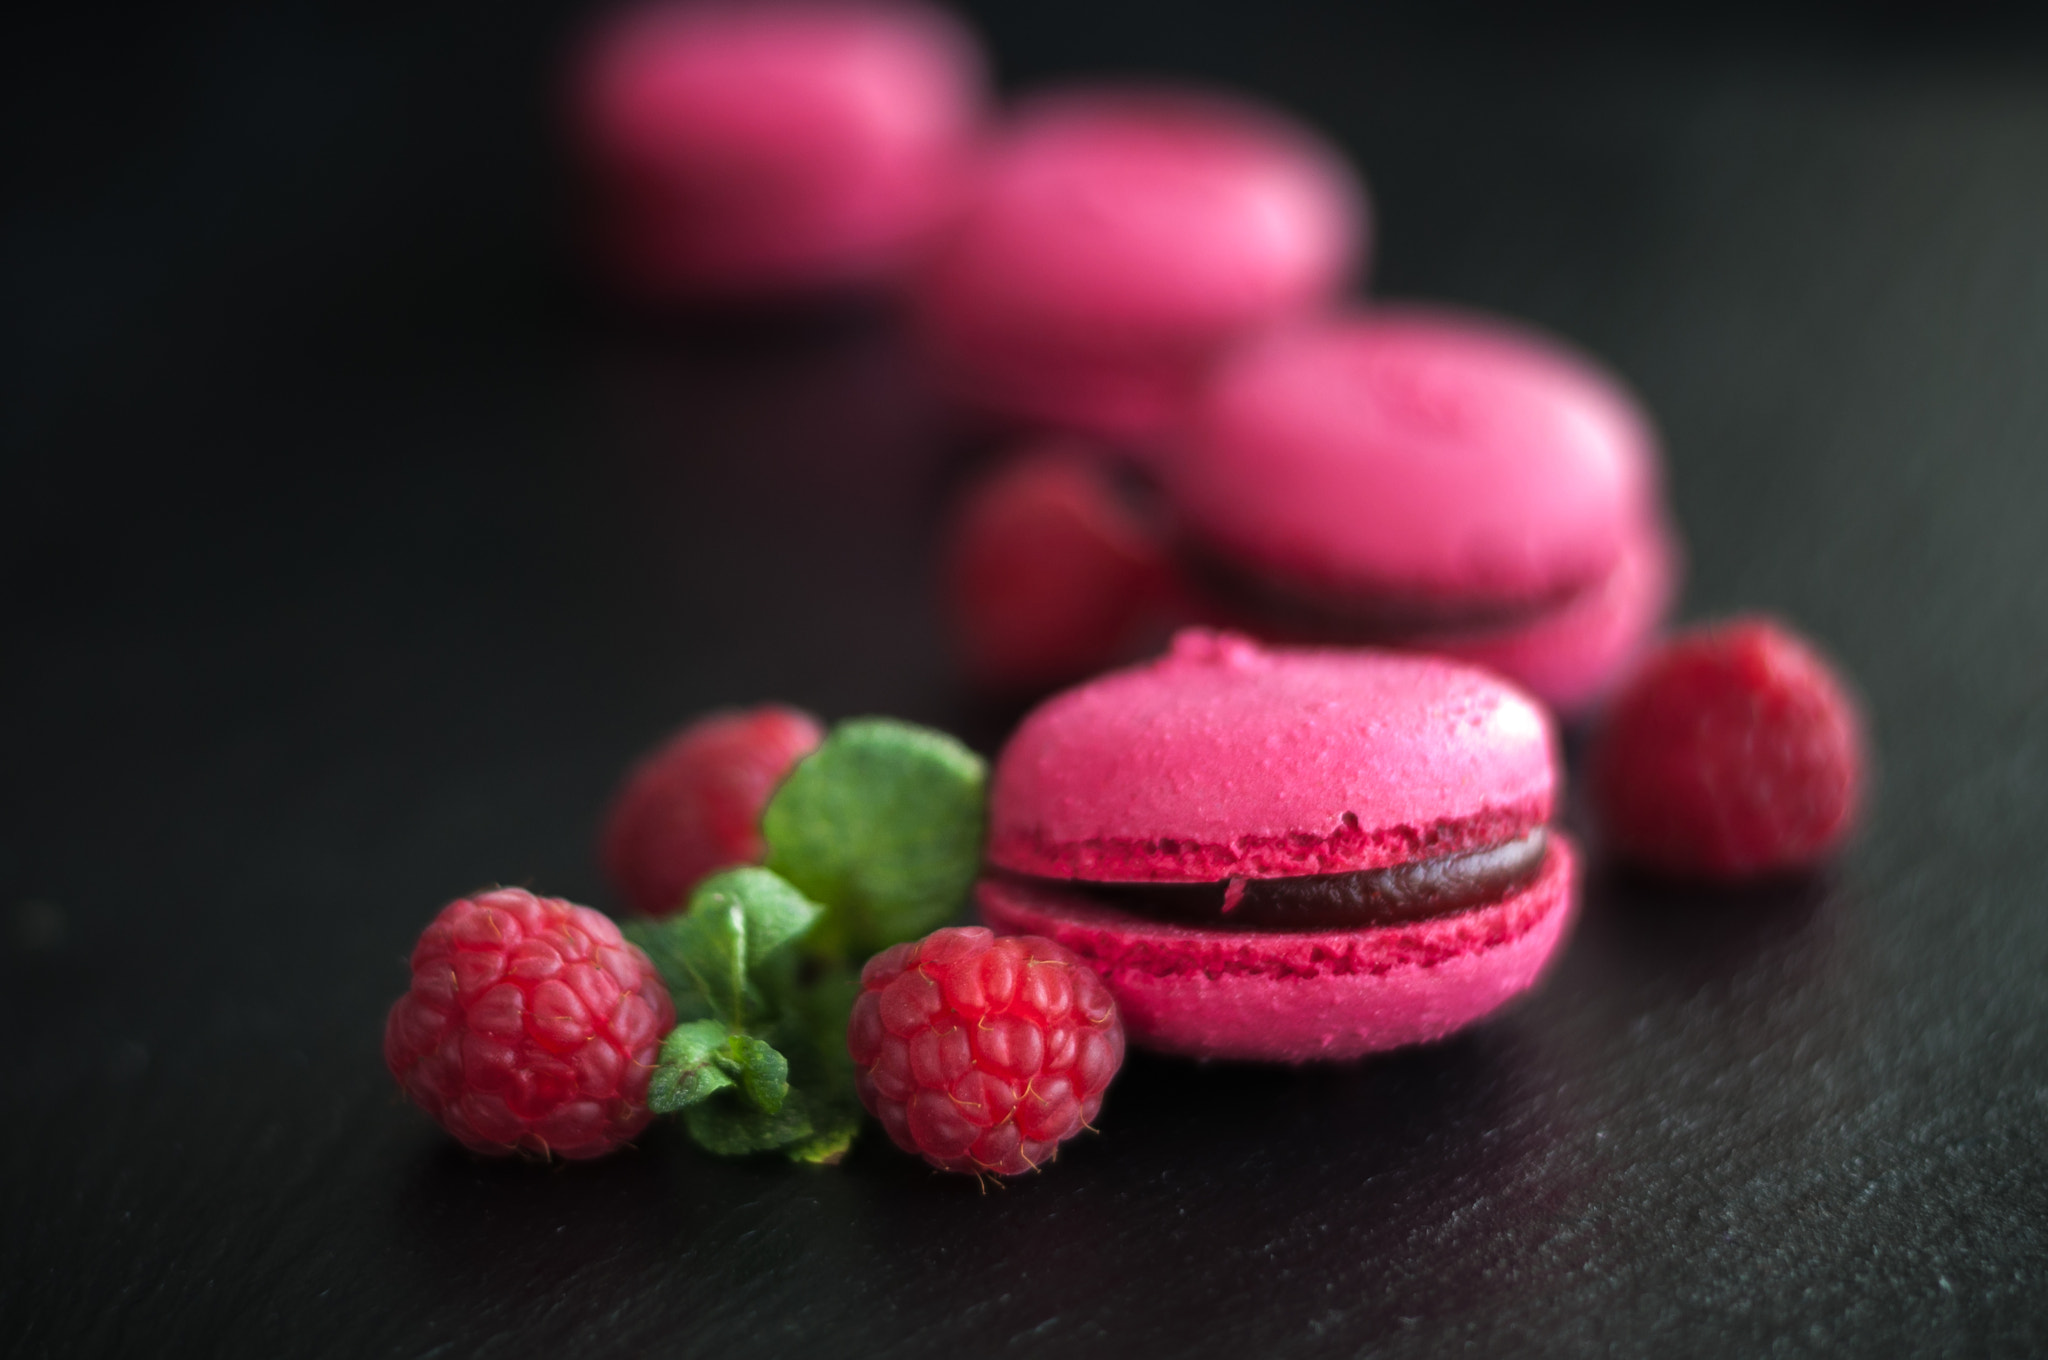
(464, 1207)
(1683, 938)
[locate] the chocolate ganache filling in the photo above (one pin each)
(1414, 891)
(1303, 611)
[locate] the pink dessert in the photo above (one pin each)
(1118, 240)
(1428, 480)
(1286, 854)
(778, 147)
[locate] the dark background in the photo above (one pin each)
(351, 548)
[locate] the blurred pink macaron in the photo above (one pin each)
(1118, 240)
(777, 148)
(1286, 854)
(1428, 480)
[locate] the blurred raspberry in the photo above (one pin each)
(693, 806)
(1733, 751)
(980, 1053)
(531, 1026)
(1050, 575)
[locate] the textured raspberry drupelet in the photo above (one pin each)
(982, 1053)
(532, 1026)
(693, 806)
(1049, 575)
(1733, 751)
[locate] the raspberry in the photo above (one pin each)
(1733, 751)
(532, 1026)
(981, 1053)
(1049, 575)
(693, 806)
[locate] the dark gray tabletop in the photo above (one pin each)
(351, 549)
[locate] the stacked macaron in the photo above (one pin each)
(1433, 481)
(1396, 476)
(1286, 854)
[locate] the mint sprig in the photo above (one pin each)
(755, 1067)
(883, 823)
(701, 1059)
(874, 838)
(737, 923)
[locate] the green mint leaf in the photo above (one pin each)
(763, 1065)
(657, 940)
(689, 1070)
(822, 1013)
(694, 1044)
(712, 943)
(776, 911)
(814, 1036)
(731, 940)
(732, 1127)
(883, 823)
(763, 1073)
(672, 1089)
(831, 1135)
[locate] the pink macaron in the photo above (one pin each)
(1118, 240)
(1430, 480)
(1286, 854)
(782, 147)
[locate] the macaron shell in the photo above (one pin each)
(779, 145)
(1302, 997)
(1116, 239)
(1572, 656)
(1569, 655)
(1150, 212)
(1416, 454)
(1226, 759)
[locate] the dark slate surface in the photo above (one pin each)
(350, 552)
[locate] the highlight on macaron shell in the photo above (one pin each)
(1118, 240)
(1358, 840)
(746, 151)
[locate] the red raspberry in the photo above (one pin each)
(1732, 751)
(693, 806)
(979, 1053)
(1049, 575)
(532, 1026)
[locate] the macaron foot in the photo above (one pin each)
(1313, 996)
